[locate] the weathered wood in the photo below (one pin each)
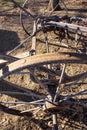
(6, 58)
(34, 39)
(22, 55)
(68, 26)
(3, 61)
(41, 60)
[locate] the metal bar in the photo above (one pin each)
(32, 109)
(60, 81)
(80, 77)
(24, 41)
(55, 123)
(21, 93)
(33, 102)
(65, 7)
(16, 3)
(84, 92)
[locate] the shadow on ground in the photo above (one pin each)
(8, 40)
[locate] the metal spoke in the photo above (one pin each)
(22, 93)
(72, 84)
(33, 109)
(60, 81)
(33, 102)
(84, 92)
(65, 7)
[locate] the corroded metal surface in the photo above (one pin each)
(41, 60)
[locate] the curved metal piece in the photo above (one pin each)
(41, 60)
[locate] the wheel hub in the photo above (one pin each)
(49, 106)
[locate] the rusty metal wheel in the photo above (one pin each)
(51, 78)
(55, 73)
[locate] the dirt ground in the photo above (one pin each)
(11, 33)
